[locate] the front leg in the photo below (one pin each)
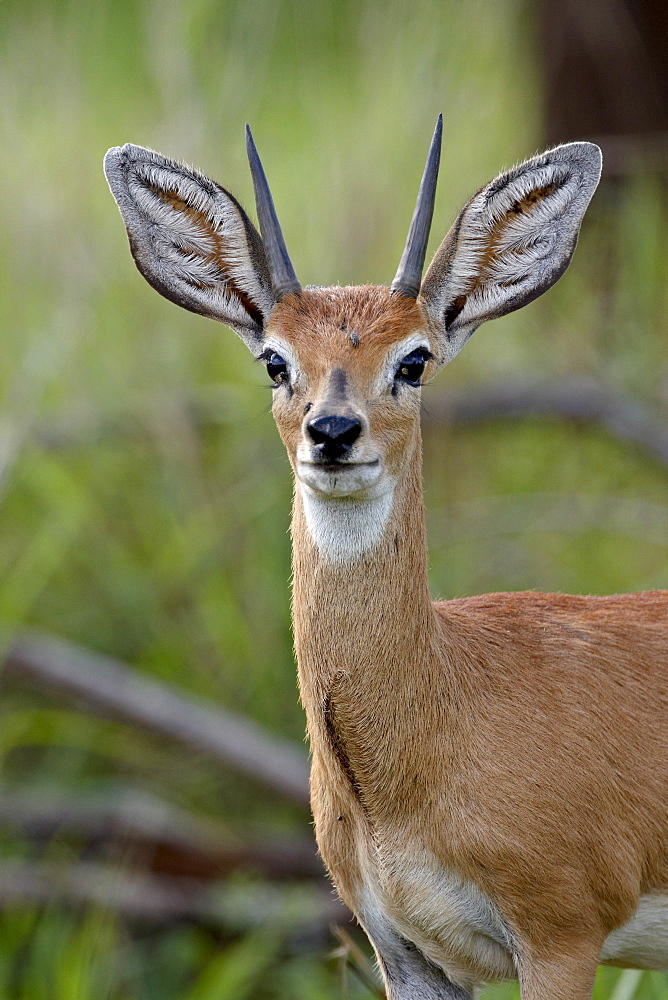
(343, 836)
(561, 977)
(408, 975)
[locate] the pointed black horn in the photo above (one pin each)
(409, 276)
(283, 277)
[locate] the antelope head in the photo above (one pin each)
(347, 364)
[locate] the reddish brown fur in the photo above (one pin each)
(315, 319)
(570, 700)
(520, 737)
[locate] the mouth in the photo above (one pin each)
(339, 479)
(342, 466)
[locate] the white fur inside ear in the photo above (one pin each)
(191, 239)
(345, 529)
(501, 245)
(511, 241)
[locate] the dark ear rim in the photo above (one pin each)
(118, 164)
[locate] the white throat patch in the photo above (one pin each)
(344, 529)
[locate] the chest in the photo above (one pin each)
(401, 887)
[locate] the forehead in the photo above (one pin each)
(335, 324)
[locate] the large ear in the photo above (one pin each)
(192, 240)
(511, 241)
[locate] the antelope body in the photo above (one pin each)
(490, 775)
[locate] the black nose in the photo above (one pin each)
(334, 436)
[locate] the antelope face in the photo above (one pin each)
(347, 366)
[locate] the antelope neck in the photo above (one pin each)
(367, 617)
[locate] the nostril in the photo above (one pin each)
(334, 434)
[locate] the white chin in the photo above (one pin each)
(340, 481)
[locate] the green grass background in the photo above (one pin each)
(128, 528)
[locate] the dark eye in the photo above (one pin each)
(412, 366)
(277, 368)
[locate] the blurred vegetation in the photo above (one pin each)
(135, 530)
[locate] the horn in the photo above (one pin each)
(283, 277)
(409, 276)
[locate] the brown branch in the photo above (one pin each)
(115, 691)
(137, 895)
(577, 399)
(155, 833)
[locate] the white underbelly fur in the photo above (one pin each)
(642, 942)
(449, 919)
(458, 928)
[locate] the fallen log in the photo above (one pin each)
(115, 691)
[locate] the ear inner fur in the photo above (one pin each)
(192, 240)
(510, 242)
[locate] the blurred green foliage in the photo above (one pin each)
(133, 530)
